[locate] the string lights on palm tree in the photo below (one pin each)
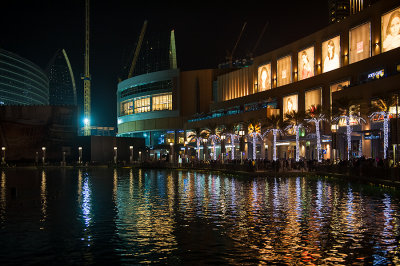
(316, 115)
(344, 109)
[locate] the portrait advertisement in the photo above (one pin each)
(290, 103)
(331, 54)
(306, 63)
(264, 77)
(284, 69)
(360, 42)
(313, 97)
(390, 30)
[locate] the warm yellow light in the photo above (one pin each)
(3, 148)
(115, 148)
(43, 148)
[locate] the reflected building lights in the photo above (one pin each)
(3, 197)
(43, 198)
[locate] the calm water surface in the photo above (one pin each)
(106, 216)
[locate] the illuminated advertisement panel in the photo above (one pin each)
(390, 30)
(264, 77)
(360, 42)
(289, 104)
(331, 54)
(306, 63)
(313, 97)
(284, 69)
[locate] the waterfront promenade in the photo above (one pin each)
(367, 170)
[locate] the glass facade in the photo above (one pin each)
(148, 103)
(142, 104)
(21, 81)
(162, 102)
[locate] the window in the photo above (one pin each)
(127, 108)
(162, 102)
(142, 104)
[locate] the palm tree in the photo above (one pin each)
(315, 115)
(229, 130)
(380, 109)
(196, 134)
(275, 125)
(296, 121)
(254, 131)
(344, 108)
(213, 133)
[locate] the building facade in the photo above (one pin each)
(21, 81)
(357, 58)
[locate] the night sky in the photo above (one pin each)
(204, 31)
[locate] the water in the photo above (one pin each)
(117, 217)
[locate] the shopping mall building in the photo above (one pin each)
(357, 58)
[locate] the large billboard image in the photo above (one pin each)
(306, 63)
(290, 103)
(313, 97)
(360, 42)
(390, 30)
(264, 77)
(284, 69)
(331, 54)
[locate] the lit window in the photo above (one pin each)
(142, 105)
(127, 108)
(162, 102)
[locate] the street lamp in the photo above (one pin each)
(131, 156)
(80, 155)
(44, 155)
(115, 154)
(3, 158)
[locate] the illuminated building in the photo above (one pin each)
(62, 89)
(341, 9)
(154, 102)
(21, 81)
(357, 58)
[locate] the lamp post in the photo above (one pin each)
(80, 155)
(222, 147)
(44, 155)
(204, 148)
(115, 154)
(3, 158)
(131, 156)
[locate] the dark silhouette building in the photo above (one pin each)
(62, 89)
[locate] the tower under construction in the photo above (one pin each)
(86, 77)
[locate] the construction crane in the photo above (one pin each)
(86, 77)
(230, 54)
(259, 39)
(137, 50)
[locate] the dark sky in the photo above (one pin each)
(204, 31)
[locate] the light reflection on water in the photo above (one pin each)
(145, 216)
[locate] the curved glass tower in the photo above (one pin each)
(62, 89)
(21, 81)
